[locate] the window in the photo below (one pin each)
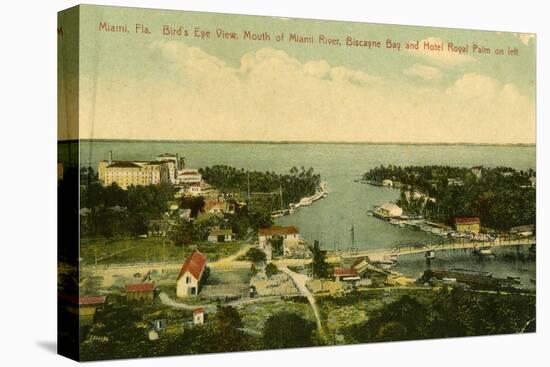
(187, 280)
(193, 290)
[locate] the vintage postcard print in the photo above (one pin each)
(236, 183)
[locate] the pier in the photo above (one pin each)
(443, 245)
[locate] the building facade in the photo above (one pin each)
(129, 173)
(140, 292)
(468, 224)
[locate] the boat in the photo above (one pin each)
(430, 255)
(279, 213)
(483, 251)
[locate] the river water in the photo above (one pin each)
(330, 219)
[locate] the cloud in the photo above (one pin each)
(270, 95)
(423, 71)
(444, 58)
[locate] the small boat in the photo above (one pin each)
(279, 213)
(430, 255)
(483, 251)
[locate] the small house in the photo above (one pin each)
(84, 307)
(217, 235)
(477, 171)
(387, 182)
(140, 292)
(345, 274)
(389, 210)
(467, 224)
(289, 233)
(187, 283)
(198, 316)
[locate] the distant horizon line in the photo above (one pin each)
(282, 142)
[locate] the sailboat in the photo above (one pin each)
(282, 211)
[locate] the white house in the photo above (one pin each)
(387, 182)
(289, 233)
(198, 316)
(217, 235)
(190, 275)
(189, 176)
(292, 242)
(390, 210)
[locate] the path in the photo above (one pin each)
(300, 281)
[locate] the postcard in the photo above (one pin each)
(239, 183)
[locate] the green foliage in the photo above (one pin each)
(255, 255)
(452, 313)
(502, 197)
(182, 233)
(296, 184)
(320, 268)
(271, 269)
(253, 270)
(288, 330)
(116, 212)
(276, 243)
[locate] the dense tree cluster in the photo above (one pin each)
(502, 197)
(120, 332)
(111, 211)
(298, 183)
(451, 313)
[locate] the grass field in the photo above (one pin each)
(140, 250)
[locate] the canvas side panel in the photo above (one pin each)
(68, 182)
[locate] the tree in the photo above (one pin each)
(287, 330)
(253, 270)
(276, 243)
(255, 255)
(182, 233)
(320, 268)
(271, 269)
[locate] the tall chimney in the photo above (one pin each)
(110, 156)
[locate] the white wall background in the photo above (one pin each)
(28, 182)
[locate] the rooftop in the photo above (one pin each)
(141, 287)
(467, 220)
(194, 264)
(345, 272)
(278, 230)
(123, 164)
(221, 232)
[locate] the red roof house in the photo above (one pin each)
(190, 275)
(140, 292)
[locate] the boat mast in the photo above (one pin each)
(353, 248)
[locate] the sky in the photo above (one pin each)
(152, 86)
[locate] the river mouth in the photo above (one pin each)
(330, 219)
